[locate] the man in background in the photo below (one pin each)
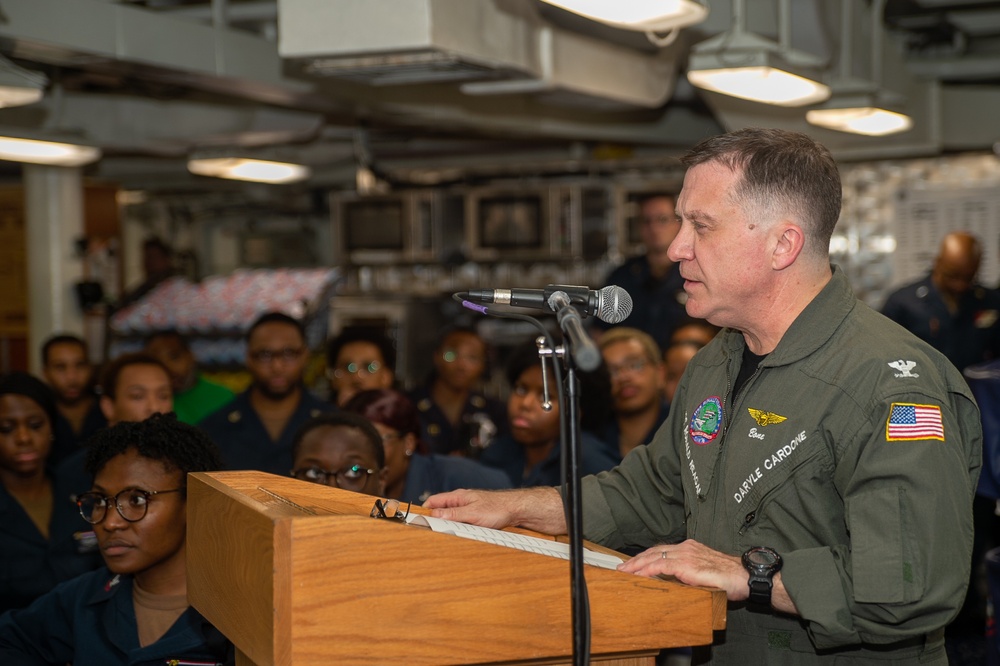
(633, 360)
(255, 430)
(68, 371)
(948, 308)
(195, 397)
(157, 266)
(133, 387)
(652, 279)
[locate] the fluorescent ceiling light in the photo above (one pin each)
(642, 15)
(741, 64)
(257, 171)
(867, 120)
(861, 106)
(768, 85)
(47, 152)
(19, 86)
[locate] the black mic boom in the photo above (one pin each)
(612, 304)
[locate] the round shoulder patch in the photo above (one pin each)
(706, 421)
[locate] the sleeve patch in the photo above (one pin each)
(908, 422)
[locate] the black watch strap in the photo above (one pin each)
(761, 563)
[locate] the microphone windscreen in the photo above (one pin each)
(614, 304)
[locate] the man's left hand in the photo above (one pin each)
(694, 564)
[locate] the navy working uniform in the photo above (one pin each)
(30, 564)
(243, 440)
(432, 474)
(853, 450)
(657, 303)
(613, 434)
(971, 335)
(91, 620)
(65, 442)
(482, 419)
(507, 453)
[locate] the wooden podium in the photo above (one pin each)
(296, 573)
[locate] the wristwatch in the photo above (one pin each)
(762, 563)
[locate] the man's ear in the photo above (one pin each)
(791, 241)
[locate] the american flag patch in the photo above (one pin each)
(909, 422)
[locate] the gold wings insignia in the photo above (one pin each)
(765, 418)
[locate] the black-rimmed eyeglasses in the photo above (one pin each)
(348, 478)
(132, 504)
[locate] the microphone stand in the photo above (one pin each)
(577, 351)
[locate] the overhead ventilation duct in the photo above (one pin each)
(489, 46)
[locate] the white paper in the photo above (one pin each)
(512, 540)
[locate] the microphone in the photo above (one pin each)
(612, 304)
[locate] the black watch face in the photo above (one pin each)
(761, 557)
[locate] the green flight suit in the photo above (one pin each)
(830, 455)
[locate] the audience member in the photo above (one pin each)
(133, 387)
(255, 430)
(948, 308)
(675, 362)
(414, 476)
(359, 359)
(68, 371)
(343, 450)
(698, 331)
(633, 360)
(195, 397)
(39, 549)
(652, 279)
(134, 610)
(805, 470)
(454, 416)
(686, 340)
(531, 454)
(157, 266)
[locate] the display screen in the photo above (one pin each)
(510, 222)
(374, 225)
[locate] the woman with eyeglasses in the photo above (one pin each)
(413, 476)
(134, 610)
(342, 450)
(43, 539)
(359, 359)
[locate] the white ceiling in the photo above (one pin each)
(454, 90)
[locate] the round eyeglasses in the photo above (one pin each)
(349, 478)
(361, 370)
(132, 504)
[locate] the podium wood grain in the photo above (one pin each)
(289, 588)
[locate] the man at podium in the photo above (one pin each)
(818, 463)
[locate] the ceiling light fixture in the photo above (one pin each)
(641, 15)
(241, 168)
(49, 153)
(858, 106)
(19, 86)
(741, 64)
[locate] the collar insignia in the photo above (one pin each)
(903, 368)
(765, 418)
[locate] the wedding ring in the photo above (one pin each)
(663, 554)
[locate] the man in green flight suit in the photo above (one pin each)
(819, 461)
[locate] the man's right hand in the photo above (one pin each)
(539, 509)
